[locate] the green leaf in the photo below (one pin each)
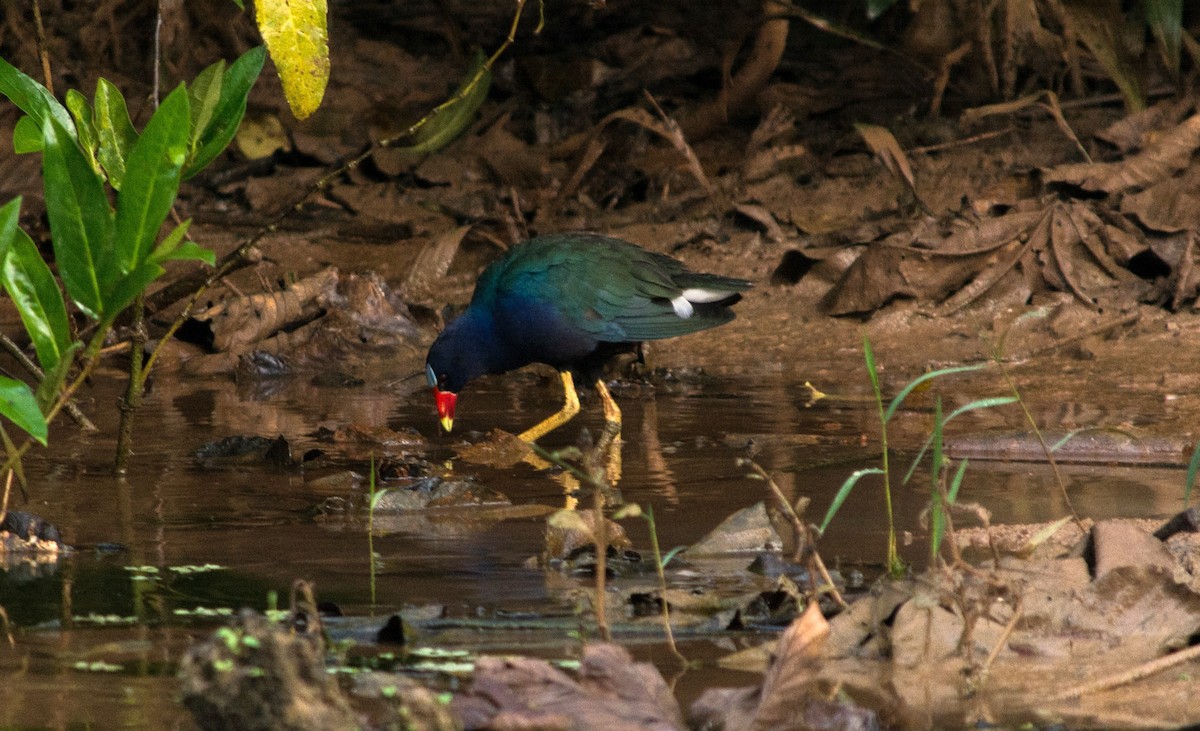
(131, 285)
(82, 112)
(876, 8)
(843, 493)
(204, 93)
(174, 248)
(81, 222)
(452, 118)
(114, 131)
(151, 182)
(1165, 18)
(33, 290)
(33, 98)
(27, 136)
(17, 402)
(190, 251)
(229, 111)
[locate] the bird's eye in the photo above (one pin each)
(430, 377)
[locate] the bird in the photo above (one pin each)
(572, 301)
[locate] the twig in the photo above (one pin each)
(998, 357)
(7, 627)
(802, 536)
(1144, 670)
(799, 533)
(983, 136)
(1100, 329)
(72, 408)
(138, 373)
(158, 21)
(8, 481)
(662, 588)
(1018, 613)
(40, 31)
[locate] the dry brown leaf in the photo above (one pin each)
(883, 273)
(763, 217)
(568, 531)
(1137, 130)
(433, 262)
(797, 657)
(665, 128)
(1168, 206)
(1168, 155)
(888, 151)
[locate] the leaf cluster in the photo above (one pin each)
(108, 189)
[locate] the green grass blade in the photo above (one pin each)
(843, 493)
(1165, 18)
(904, 392)
(986, 403)
(956, 482)
(666, 559)
(938, 533)
(1193, 467)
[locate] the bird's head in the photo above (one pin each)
(445, 400)
(455, 358)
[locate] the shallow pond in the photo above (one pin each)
(69, 667)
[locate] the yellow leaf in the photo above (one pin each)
(298, 41)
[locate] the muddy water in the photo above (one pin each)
(682, 440)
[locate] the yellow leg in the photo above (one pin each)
(610, 440)
(568, 411)
(612, 412)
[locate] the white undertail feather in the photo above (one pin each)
(694, 295)
(683, 308)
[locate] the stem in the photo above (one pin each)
(895, 567)
(662, 588)
(40, 31)
(371, 531)
(132, 400)
(601, 608)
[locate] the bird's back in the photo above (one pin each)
(589, 288)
